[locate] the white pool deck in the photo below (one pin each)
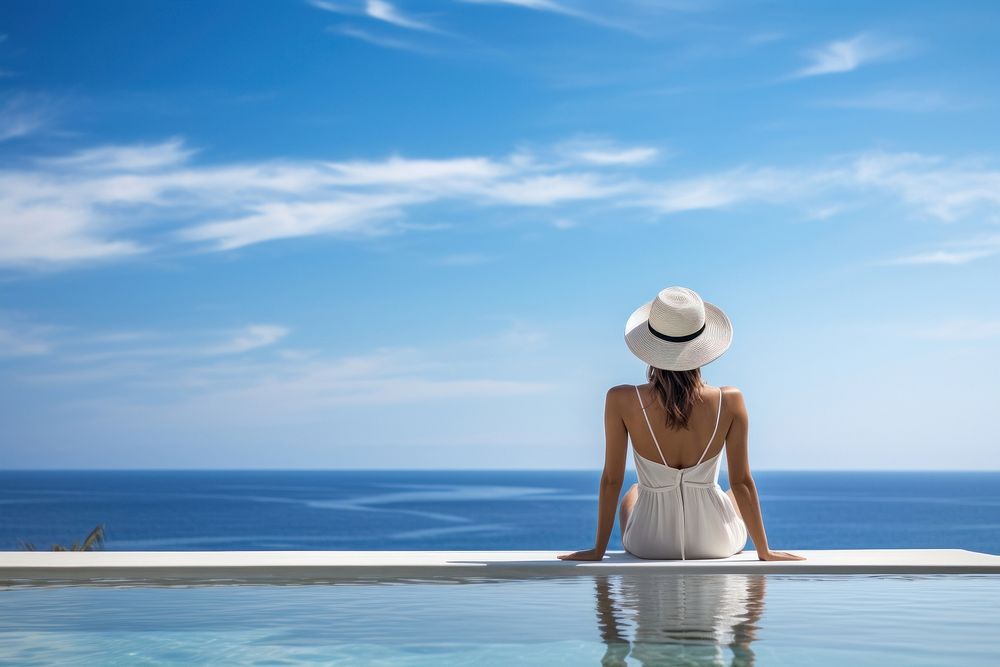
(290, 566)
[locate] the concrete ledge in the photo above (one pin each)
(326, 566)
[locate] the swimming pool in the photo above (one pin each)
(633, 619)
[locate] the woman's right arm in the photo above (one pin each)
(740, 480)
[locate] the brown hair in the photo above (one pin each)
(677, 391)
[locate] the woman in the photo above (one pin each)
(679, 427)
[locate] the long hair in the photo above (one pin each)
(677, 391)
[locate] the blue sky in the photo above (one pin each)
(408, 234)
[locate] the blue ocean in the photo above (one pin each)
(244, 510)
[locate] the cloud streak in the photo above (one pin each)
(138, 157)
(22, 342)
(944, 190)
(385, 11)
(909, 101)
(378, 10)
(377, 40)
(956, 253)
(22, 116)
(251, 370)
(847, 55)
(110, 202)
(536, 5)
(252, 337)
(560, 8)
(379, 13)
(605, 154)
(113, 202)
(105, 350)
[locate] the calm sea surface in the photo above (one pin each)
(468, 509)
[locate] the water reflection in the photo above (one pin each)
(679, 619)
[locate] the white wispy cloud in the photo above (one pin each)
(550, 189)
(140, 349)
(378, 40)
(931, 185)
(269, 221)
(947, 190)
(624, 156)
(765, 37)
(944, 257)
(386, 376)
(385, 11)
(823, 212)
(14, 125)
(537, 5)
(22, 342)
(251, 337)
(22, 115)
(955, 253)
(378, 10)
(397, 170)
(464, 259)
(913, 101)
(738, 186)
(846, 55)
(138, 157)
(562, 8)
(186, 372)
(74, 208)
(108, 202)
(39, 224)
(602, 152)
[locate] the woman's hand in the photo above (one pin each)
(778, 555)
(589, 554)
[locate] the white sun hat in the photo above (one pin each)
(678, 331)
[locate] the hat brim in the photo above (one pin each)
(706, 348)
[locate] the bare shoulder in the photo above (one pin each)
(620, 390)
(732, 397)
(618, 394)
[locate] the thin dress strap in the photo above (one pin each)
(662, 458)
(714, 431)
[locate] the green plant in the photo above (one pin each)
(93, 541)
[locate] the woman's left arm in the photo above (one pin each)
(615, 453)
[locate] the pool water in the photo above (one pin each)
(633, 619)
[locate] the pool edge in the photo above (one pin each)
(290, 566)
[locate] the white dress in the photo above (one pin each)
(682, 513)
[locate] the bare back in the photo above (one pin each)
(681, 447)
